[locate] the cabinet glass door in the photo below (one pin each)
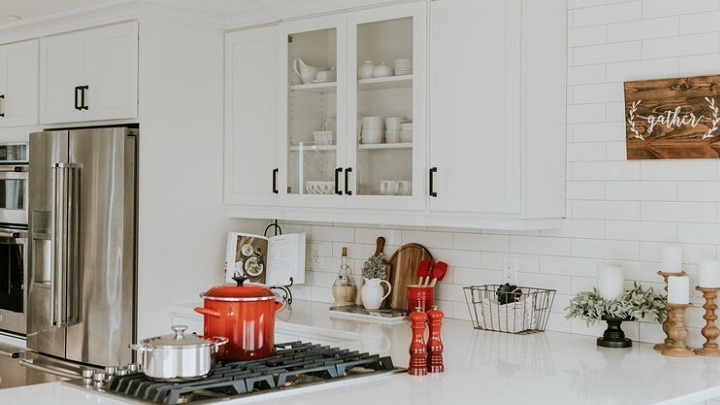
(384, 105)
(312, 111)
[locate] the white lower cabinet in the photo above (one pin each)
(497, 113)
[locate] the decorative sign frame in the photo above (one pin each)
(673, 118)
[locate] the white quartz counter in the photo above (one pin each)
(491, 367)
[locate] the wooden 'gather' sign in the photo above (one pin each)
(673, 118)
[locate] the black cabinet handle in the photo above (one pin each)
(347, 172)
(2, 105)
(274, 175)
(337, 180)
(433, 193)
(77, 98)
(83, 106)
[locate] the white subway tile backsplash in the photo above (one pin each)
(588, 74)
(641, 190)
(642, 70)
(629, 170)
(706, 234)
(583, 3)
(699, 191)
(641, 231)
(699, 65)
(616, 150)
(597, 132)
(646, 29)
(584, 190)
(608, 210)
(678, 211)
(578, 228)
(679, 169)
(606, 14)
(540, 245)
(568, 266)
(680, 46)
(585, 152)
(700, 22)
(584, 36)
(597, 93)
(333, 234)
(624, 51)
(586, 113)
(663, 8)
(606, 249)
(481, 242)
(431, 240)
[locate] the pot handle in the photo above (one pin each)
(140, 348)
(219, 341)
(207, 311)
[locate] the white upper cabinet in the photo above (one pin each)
(18, 83)
(89, 75)
(497, 113)
(251, 164)
(366, 162)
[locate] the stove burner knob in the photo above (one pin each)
(87, 376)
(122, 371)
(111, 370)
(99, 379)
(134, 368)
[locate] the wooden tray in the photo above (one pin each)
(404, 263)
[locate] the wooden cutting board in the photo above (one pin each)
(404, 263)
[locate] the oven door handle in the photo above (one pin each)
(54, 371)
(13, 169)
(9, 234)
(64, 288)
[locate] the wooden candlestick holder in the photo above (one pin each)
(710, 331)
(668, 340)
(677, 332)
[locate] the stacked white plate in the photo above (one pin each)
(403, 66)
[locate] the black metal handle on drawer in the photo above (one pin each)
(347, 172)
(2, 105)
(77, 98)
(433, 193)
(275, 173)
(337, 180)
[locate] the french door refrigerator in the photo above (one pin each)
(82, 223)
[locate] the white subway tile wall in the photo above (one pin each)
(617, 210)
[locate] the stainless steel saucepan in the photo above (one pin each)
(178, 357)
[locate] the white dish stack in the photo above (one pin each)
(403, 66)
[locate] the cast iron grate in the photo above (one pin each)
(294, 364)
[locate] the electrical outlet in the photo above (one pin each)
(315, 256)
(510, 270)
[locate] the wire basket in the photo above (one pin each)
(526, 310)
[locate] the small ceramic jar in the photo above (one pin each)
(382, 70)
(365, 71)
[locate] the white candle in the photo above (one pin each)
(672, 259)
(610, 280)
(678, 290)
(709, 274)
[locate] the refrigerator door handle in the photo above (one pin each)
(64, 289)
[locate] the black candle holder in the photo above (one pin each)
(614, 337)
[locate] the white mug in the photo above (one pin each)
(393, 123)
(404, 187)
(388, 187)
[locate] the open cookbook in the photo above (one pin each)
(271, 260)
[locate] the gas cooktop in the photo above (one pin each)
(294, 365)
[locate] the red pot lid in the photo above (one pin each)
(240, 292)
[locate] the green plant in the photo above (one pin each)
(633, 305)
(374, 267)
(508, 293)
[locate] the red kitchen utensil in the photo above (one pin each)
(424, 270)
(438, 272)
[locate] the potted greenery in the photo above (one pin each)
(373, 273)
(632, 305)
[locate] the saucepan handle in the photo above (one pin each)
(140, 348)
(207, 311)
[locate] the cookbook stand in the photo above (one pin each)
(285, 289)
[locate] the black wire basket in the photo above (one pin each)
(522, 311)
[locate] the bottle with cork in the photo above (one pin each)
(343, 289)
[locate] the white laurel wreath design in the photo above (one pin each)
(715, 118)
(631, 120)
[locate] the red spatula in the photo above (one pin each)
(438, 272)
(424, 270)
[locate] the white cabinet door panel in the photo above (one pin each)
(19, 83)
(62, 69)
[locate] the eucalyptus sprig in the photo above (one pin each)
(374, 267)
(632, 305)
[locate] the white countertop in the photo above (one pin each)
(494, 367)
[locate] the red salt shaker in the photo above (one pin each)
(434, 343)
(418, 350)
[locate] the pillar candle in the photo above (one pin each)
(709, 274)
(672, 259)
(678, 290)
(610, 280)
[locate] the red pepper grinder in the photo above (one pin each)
(434, 343)
(418, 350)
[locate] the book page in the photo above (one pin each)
(246, 254)
(286, 258)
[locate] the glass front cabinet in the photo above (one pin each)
(352, 119)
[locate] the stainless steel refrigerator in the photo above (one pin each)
(83, 242)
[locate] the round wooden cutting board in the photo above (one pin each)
(404, 263)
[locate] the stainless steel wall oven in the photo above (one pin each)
(14, 185)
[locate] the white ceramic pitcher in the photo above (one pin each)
(372, 292)
(306, 72)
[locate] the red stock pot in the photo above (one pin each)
(245, 315)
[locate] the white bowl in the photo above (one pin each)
(324, 138)
(372, 136)
(406, 126)
(372, 123)
(392, 136)
(405, 136)
(393, 122)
